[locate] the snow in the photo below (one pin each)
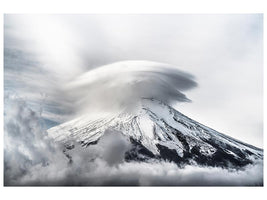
(155, 123)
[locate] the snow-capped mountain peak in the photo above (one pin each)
(158, 131)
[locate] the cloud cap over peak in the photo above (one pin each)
(123, 84)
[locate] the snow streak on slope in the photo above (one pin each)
(163, 133)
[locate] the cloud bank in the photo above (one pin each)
(31, 158)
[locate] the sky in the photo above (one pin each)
(224, 54)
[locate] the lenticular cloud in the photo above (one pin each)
(122, 84)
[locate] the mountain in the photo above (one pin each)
(158, 131)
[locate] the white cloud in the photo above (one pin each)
(123, 84)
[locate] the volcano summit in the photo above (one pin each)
(158, 131)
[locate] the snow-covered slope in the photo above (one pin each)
(158, 131)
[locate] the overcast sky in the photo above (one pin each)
(223, 52)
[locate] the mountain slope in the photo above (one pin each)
(158, 131)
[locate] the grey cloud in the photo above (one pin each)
(114, 146)
(110, 148)
(26, 142)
